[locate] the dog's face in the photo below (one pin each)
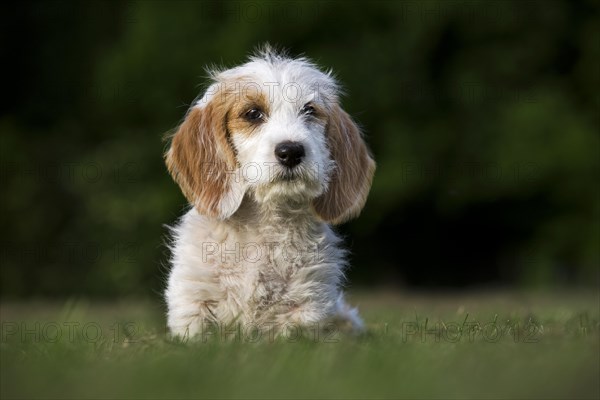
(271, 128)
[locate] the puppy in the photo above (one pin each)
(267, 159)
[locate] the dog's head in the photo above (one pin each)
(271, 128)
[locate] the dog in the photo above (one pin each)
(268, 160)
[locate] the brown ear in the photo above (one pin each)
(354, 168)
(203, 163)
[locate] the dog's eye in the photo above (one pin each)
(254, 115)
(308, 109)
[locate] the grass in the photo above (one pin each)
(478, 345)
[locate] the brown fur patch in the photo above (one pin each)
(200, 157)
(352, 177)
(238, 122)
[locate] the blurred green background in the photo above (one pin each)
(483, 118)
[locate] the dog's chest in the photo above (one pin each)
(263, 273)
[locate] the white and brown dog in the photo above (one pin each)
(267, 158)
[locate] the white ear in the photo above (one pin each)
(353, 173)
(203, 163)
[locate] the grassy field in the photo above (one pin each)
(492, 345)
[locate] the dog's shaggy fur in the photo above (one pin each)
(267, 158)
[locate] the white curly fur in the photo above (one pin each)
(264, 254)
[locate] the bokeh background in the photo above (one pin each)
(483, 118)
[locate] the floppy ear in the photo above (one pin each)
(354, 168)
(203, 163)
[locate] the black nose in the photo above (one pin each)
(289, 153)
